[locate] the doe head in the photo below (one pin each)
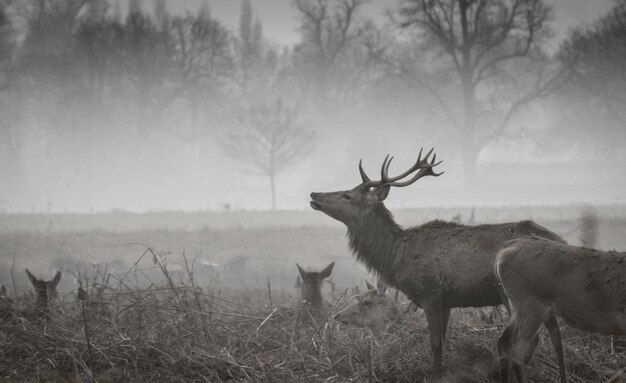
(311, 283)
(348, 206)
(368, 309)
(45, 291)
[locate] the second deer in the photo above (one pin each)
(438, 265)
(372, 309)
(584, 287)
(311, 289)
(45, 292)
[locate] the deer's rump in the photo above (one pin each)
(455, 263)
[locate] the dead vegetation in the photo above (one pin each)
(112, 329)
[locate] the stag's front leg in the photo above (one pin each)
(437, 319)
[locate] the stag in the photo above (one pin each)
(438, 265)
(582, 286)
(311, 288)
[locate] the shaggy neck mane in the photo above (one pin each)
(372, 240)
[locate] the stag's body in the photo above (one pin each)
(438, 265)
(584, 287)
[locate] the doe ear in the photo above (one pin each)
(327, 270)
(56, 279)
(302, 272)
(298, 284)
(369, 285)
(32, 278)
(378, 194)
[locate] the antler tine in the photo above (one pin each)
(425, 169)
(367, 182)
(422, 164)
(385, 168)
(418, 165)
(364, 177)
(382, 168)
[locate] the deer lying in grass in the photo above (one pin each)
(45, 292)
(311, 289)
(438, 265)
(541, 278)
(372, 309)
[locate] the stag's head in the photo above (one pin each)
(348, 206)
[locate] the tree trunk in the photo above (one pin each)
(470, 156)
(468, 134)
(273, 187)
(468, 129)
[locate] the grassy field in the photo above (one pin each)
(210, 297)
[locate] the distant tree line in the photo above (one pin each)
(77, 76)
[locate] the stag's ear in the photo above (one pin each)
(378, 194)
(327, 270)
(369, 286)
(302, 272)
(57, 279)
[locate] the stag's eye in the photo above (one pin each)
(347, 197)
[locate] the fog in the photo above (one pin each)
(147, 116)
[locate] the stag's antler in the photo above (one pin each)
(423, 166)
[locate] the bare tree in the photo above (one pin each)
(596, 59)
(481, 41)
(202, 70)
(269, 137)
(332, 55)
(249, 46)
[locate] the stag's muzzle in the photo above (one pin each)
(314, 204)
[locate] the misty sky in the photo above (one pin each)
(119, 160)
(280, 24)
